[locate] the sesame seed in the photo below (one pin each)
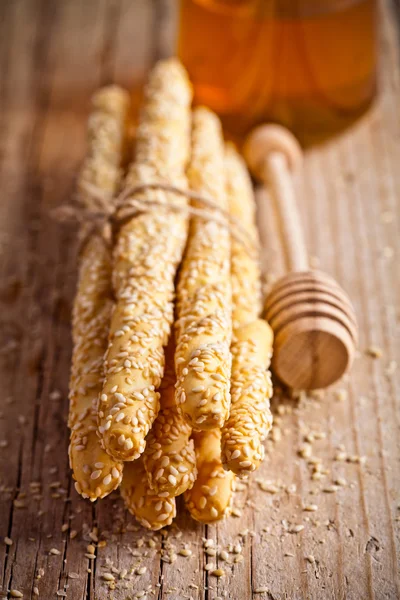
(218, 572)
(296, 528)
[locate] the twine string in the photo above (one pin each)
(97, 212)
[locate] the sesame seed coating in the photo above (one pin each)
(210, 498)
(204, 303)
(148, 250)
(250, 418)
(96, 473)
(151, 510)
(169, 457)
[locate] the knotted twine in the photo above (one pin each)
(99, 214)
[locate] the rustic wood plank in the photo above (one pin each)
(53, 55)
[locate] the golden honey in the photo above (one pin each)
(308, 64)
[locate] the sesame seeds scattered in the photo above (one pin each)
(218, 572)
(310, 558)
(374, 352)
(296, 528)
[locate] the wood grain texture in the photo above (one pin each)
(53, 55)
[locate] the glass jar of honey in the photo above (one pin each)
(308, 64)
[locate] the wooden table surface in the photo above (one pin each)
(54, 54)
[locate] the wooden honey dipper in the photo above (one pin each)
(313, 320)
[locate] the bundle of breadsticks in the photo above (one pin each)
(170, 387)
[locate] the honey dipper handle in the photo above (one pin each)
(272, 152)
(279, 178)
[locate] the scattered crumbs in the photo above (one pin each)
(310, 507)
(340, 456)
(223, 555)
(331, 489)
(305, 451)
(141, 570)
(374, 352)
(8, 541)
(310, 558)
(16, 594)
(237, 549)
(262, 590)
(108, 577)
(236, 512)
(240, 486)
(340, 481)
(276, 434)
(209, 567)
(391, 368)
(360, 460)
(61, 593)
(218, 573)
(238, 558)
(296, 528)
(35, 591)
(64, 527)
(289, 554)
(185, 552)
(73, 575)
(54, 551)
(268, 486)
(341, 395)
(55, 395)
(72, 534)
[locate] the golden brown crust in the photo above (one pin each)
(148, 250)
(250, 417)
(96, 473)
(211, 496)
(151, 510)
(203, 327)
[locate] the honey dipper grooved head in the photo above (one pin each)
(271, 138)
(315, 329)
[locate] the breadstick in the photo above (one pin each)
(169, 457)
(211, 496)
(250, 417)
(96, 473)
(204, 303)
(151, 510)
(148, 250)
